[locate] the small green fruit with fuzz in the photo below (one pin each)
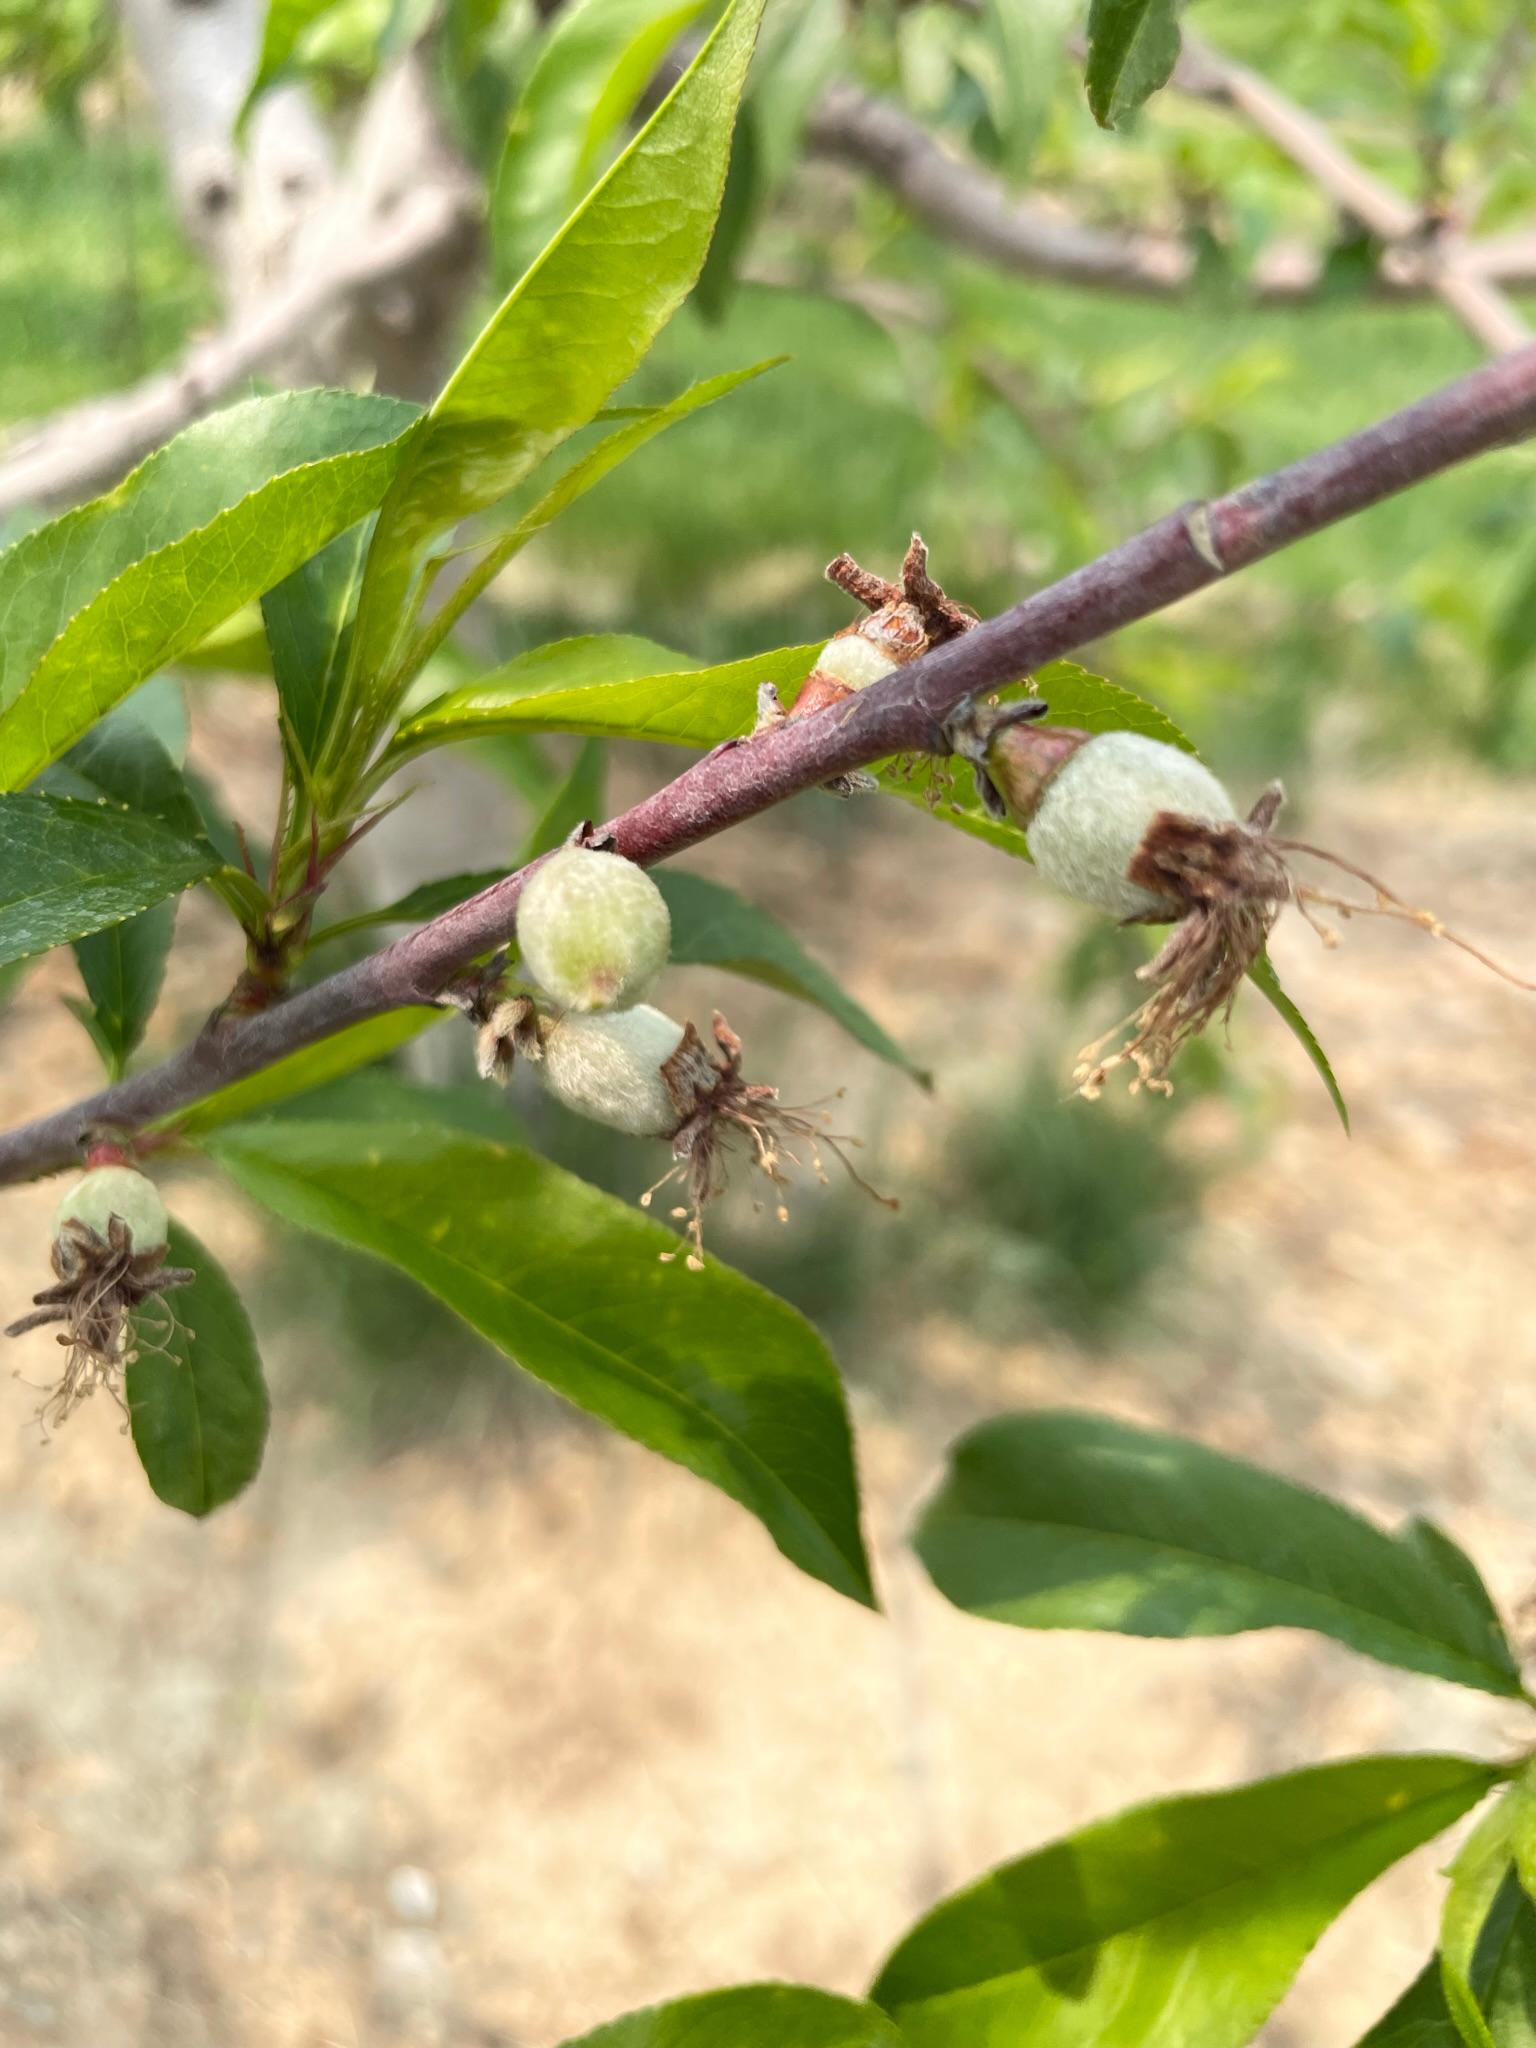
(594, 930)
(110, 1240)
(1094, 812)
(122, 1191)
(609, 1068)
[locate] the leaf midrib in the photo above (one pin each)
(1254, 1572)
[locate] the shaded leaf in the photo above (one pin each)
(427, 899)
(121, 762)
(123, 969)
(311, 1067)
(197, 1402)
(572, 329)
(752, 2016)
(704, 1367)
(578, 798)
(1481, 1865)
(1063, 1520)
(97, 600)
(596, 60)
(1176, 1925)
(68, 868)
(1133, 46)
(1502, 1967)
(1510, 1998)
(308, 620)
(714, 927)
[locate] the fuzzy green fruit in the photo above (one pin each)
(594, 929)
(110, 1191)
(608, 1067)
(1094, 812)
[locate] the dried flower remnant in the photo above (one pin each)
(109, 1262)
(1143, 831)
(905, 619)
(642, 1072)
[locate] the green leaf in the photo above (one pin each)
(589, 469)
(1063, 1520)
(702, 1366)
(1133, 46)
(597, 687)
(197, 1402)
(1510, 1998)
(714, 927)
(1176, 1925)
(1264, 978)
(311, 1067)
(97, 600)
(753, 2016)
(578, 798)
(1503, 1971)
(308, 618)
(427, 899)
(68, 868)
(740, 209)
(596, 61)
(121, 762)
(123, 969)
(572, 329)
(1481, 1865)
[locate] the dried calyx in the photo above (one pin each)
(109, 1261)
(1144, 831)
(905, 619)
(642, 1072)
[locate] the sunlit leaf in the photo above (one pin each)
(577, 323)
(597, 59)
(1177, 1925)
(595, 687)
(752, 2016)
(96, 601)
